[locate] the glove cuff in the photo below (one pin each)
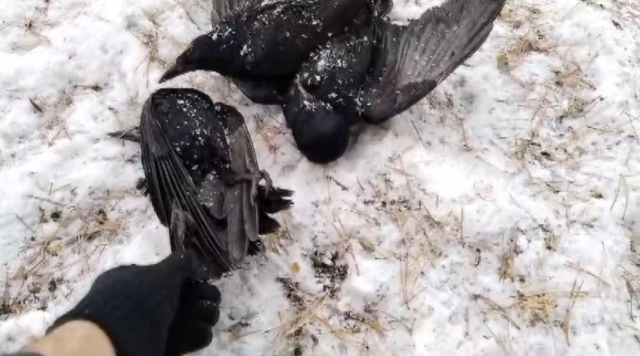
(130, 334)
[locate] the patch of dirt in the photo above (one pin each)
(328, 271)
(294, 295)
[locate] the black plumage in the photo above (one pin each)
(261, 44)
(203, 177)
(377, 70)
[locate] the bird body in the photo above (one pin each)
(203, 176)
(265, 41)
(377, 70)
(334, 73)
(332, 64)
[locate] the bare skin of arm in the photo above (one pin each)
(75, 338)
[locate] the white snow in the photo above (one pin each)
(497, 217)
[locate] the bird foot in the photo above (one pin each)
(255, 179)
(268, 182)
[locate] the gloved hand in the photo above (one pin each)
(152, 310)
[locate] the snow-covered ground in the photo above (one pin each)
(497, 217)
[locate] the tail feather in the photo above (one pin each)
(275, 200)
(267, 225)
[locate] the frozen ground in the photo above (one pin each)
(498, 217)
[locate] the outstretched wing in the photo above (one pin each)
(410, 61)
(223, 8)
(170, 185)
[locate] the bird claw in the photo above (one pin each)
(255, 179)
(268, 182)
(262, 175)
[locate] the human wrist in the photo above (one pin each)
(74, 338)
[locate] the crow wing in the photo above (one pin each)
(410, 61)
(170, 183)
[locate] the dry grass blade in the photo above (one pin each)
(396, 319)
(374, 324)
(580, 269)
(462, 227)
(409, 280)
(302, 318)
(566, 324)
(25, 224)
(495, 306)
(35, 105)
(507, 264)
(5, 302)
(632, 293)
(418, 133)
(273, 242)
(341, 334)
(536, 308)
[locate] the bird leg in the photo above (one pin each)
(255, 179)
(268, 182)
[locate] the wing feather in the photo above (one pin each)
(170, 183)
(410, 61)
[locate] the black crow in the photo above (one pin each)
(260, 44)
(203, 177)
(377, 70)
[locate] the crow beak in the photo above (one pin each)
(175, 71)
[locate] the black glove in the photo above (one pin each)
(152, 310)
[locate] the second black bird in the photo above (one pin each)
(203, 177)
(260, 44)
(376, 70)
